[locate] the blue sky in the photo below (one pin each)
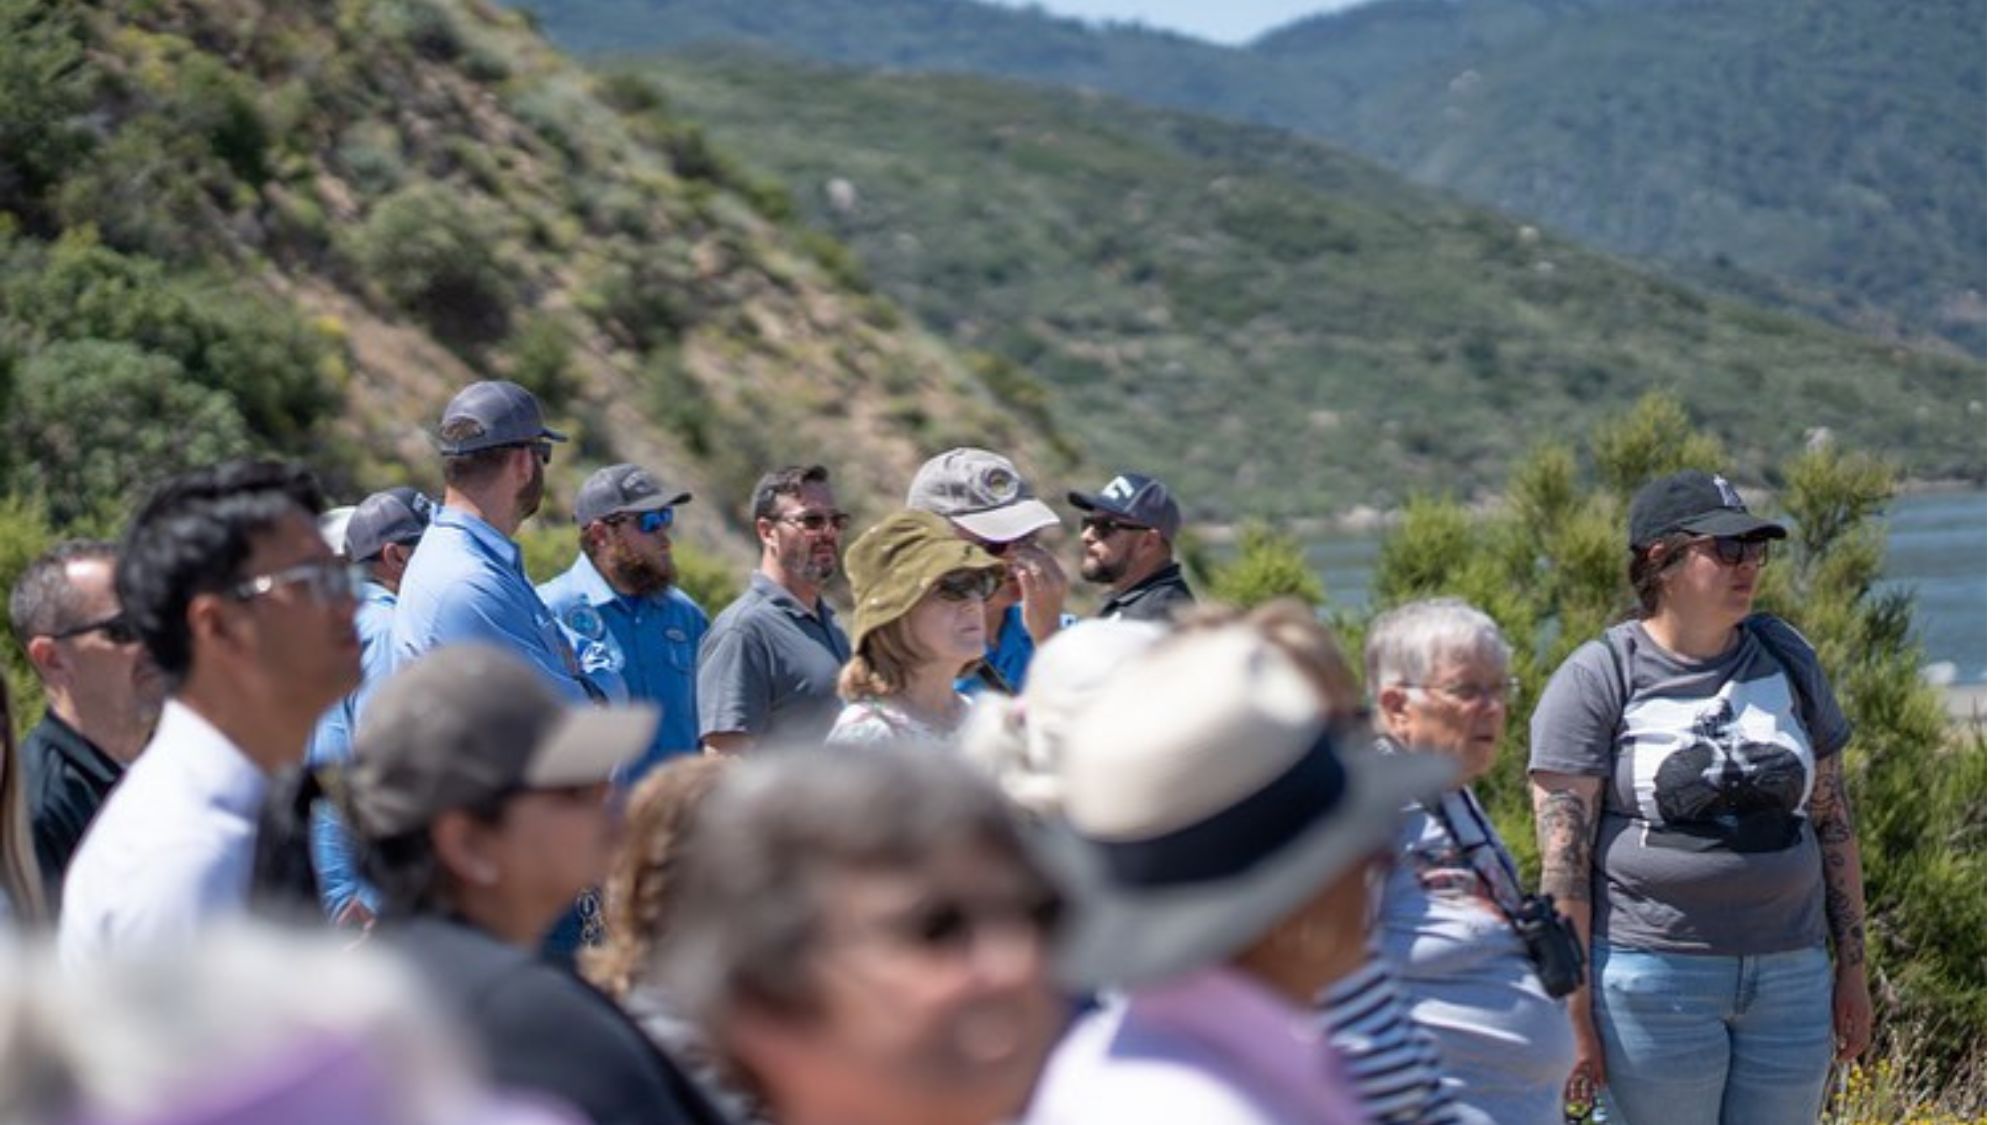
(1224, 21)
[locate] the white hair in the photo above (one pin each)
(1406, 643)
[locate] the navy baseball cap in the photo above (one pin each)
(620, 488)
(1135, 499)
(1699, 503)
(506, 414)
(399, 515)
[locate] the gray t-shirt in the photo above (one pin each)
(769, 667)
(1703, 845)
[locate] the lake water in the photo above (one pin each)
(1937, 549)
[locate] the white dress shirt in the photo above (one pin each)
(170, 851)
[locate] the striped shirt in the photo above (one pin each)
(1392, 1062)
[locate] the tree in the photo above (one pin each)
(1268, 565)
(1550, 568)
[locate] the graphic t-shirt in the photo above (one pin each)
(1703, 845)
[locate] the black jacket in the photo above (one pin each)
(1154, 599)
(68, 778)
(543, 1029)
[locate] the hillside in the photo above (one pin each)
(1821, 155)
(231, 225)
(1276, 326)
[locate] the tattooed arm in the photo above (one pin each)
(1840, 860)
(1566, 811)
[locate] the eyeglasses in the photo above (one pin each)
(945, 924)
(1104, 527)
(542, 450)
(967, 585)
(115, 628)
(325, 582)
(648, 523)
(816, 522)
(1506, 691)
(1734, 551)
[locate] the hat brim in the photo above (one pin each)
(589, 743)
(1006, 524)
(553, 435)
(1730, 524)
(1084, 501)
(1119, 936)
(650, 504)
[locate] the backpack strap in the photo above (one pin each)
(1764, 627)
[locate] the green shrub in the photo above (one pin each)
(433, 252)
(91, 424)
(1269, 564)
(538, 356)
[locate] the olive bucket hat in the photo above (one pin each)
(896, 562)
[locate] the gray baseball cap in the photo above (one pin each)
(507, 414)
(465, 725)
(1137, 499)
(398, 515)
(982, 492)
(623, 487)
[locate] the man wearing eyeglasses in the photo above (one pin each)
(634, 632)
(1128, 545)
(102, 690)
(250, 619)
(769, 665)
(465, 582)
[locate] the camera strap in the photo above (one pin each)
(1513, 896)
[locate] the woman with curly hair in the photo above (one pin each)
(639, 897)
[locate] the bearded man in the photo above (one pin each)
(634, 632)
(769, 666)
(464, 582)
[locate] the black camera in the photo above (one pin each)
(1552, 944)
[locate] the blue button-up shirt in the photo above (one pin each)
(634, 648)
(333, 744)
(465, 583)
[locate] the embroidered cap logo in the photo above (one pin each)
(1728, 493)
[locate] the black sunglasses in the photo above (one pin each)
(1734, 551)
(967, 585)
(115, 628)
(949, 923)
(1105, 527)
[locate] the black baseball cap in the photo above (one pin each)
(1696, 502)
(1135, 498)
(620, 488)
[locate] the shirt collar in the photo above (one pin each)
(223, 770)
(1166, 574)
(482, 533)
(586, 579)
(783, 598)
(80, 752)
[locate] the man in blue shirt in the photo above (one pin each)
(989, 503)
(381, 533)
(465, 581)
(635, 634)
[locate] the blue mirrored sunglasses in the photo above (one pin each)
(649, 523)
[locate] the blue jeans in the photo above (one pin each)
(1692, 1039)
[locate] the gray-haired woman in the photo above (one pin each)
(1438, 672)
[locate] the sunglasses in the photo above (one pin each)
(115, 628)
(817, 521)
(648, 523)
(1104, 527)
(1734, 551)
(967, 585)
(948, 924)
(326, 582)
(542, 450)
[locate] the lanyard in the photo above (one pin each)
(1487, 842)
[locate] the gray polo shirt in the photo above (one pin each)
(769, 666)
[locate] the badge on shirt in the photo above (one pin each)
(675, 635)
(584, 622)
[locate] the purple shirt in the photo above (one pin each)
(1214, 1047)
